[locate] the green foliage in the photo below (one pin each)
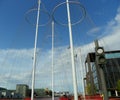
(118, 85)
(89, 89)
(40, 92)
(48, 92)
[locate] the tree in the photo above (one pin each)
(48, 92)
(118, 85)
(89, 89)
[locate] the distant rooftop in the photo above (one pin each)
(1, 88)
(108, 55)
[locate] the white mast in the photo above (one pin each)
(35, 45)
(82, 75)
(72, 53)
(52, 60)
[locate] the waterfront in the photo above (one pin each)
(42, 98)
(56, 98)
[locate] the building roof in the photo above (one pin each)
(92, 55)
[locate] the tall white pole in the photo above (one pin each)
(81, 68)
(72, 53)
(35, 45)
(52, 60)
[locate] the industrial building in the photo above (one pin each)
(4, 93)
(111, 71)
(22, 89)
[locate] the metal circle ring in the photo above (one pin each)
(35, 9)
(70, 2)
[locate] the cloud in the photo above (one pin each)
(111, 40)
(108, 34)
(16, 65)
(117, 18)
(17, 68)
(94, 31)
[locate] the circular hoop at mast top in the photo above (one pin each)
(70, 2)
(43, 11)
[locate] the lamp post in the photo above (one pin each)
(100, 62)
